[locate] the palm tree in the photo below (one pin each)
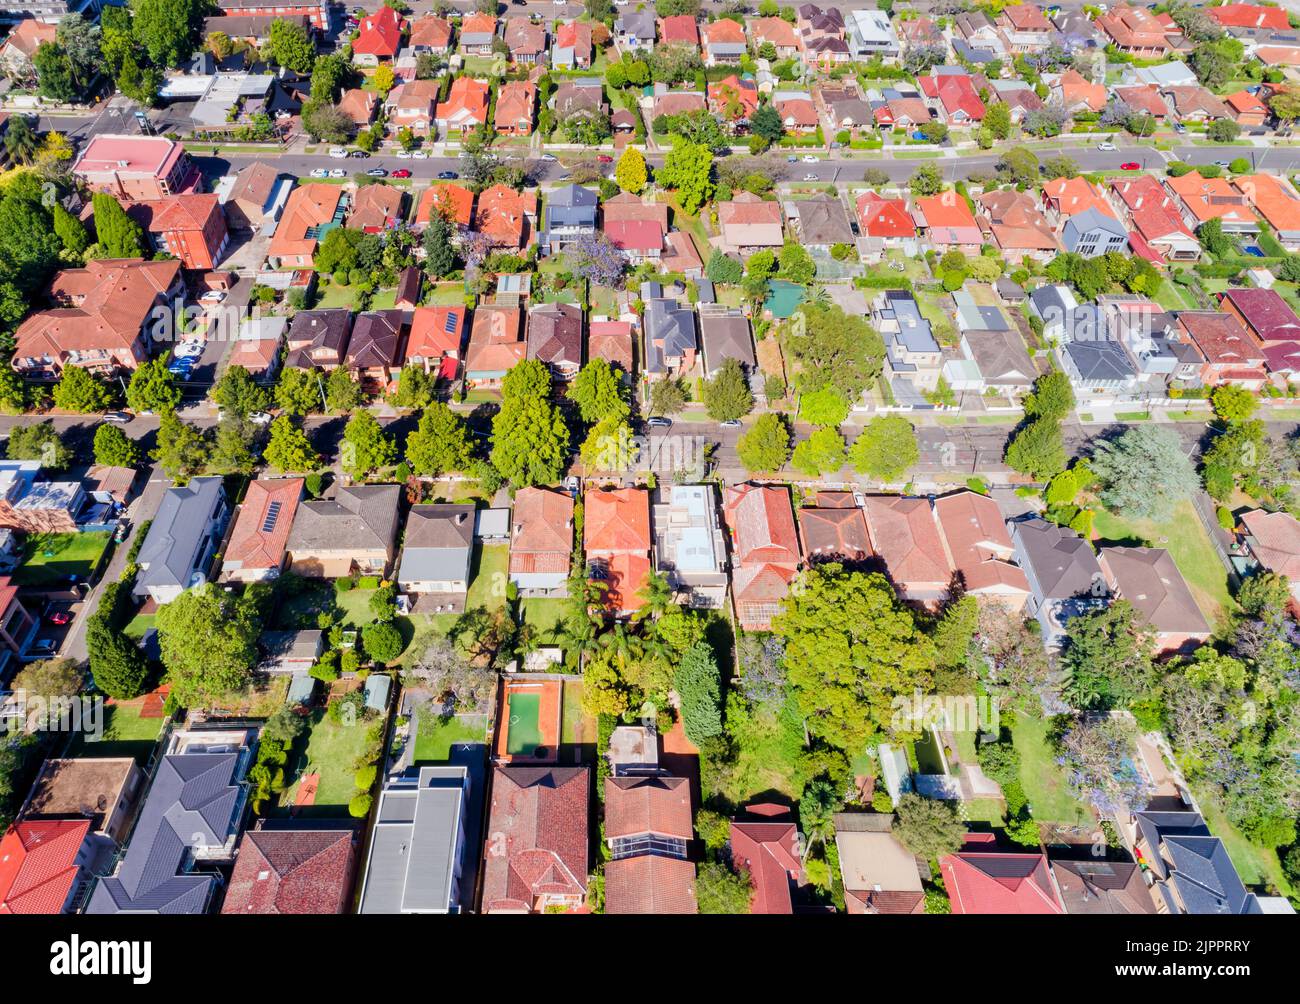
(657, 596)
(21, 140)
(817, 809)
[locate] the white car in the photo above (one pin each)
(420, 154)
(259, 418)
(808, 158)
(320, 172)
(338, 172)
(549, 157)
(810, 177)
(403, 154)
(338, 153)
(213, 296)
(188, 350)
(1108, 146)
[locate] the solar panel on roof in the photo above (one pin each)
(272, 514)
(452, 319)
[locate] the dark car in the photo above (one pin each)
(359, 154)
(448, 175)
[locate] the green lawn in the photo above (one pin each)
(545, 615)
(435, 736)
(1188, 545)
(332, 750)
(1171, 296)
(49, 558)
(140, 625)
(487, 587)
(336, 295)
(1257, 866)
(125, 734)
(354, 604)
(446, 294)
(1049, 797)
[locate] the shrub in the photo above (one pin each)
(1225, 517)
(359, 807)
(364, 778)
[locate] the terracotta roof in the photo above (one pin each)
(309, 206)
(536, 836)
(640, 805)
(1210, 198)
(651, 884)
(723, 30)
(1069, 196)
(467, 101)
(292, 872)
(627, 206)
(744, 94)
(617, 520)
(747, 209)
(255, 183)
(837, 534)
(38, 864)
(359, 105)
(523, 37)
(978, 543)
(431, 31)
(983, 881)
(375, 208)
(1076, 88)
(515, 103)
(1274, 198)
(776, 30)
(1221, 338)
(956, 92)
(1245, 103)
(904, 533)
(762, 524)
(30, 34)
(679, 28)
(476, 24)
(1015, 221)
(1276, 543)
(380, 34)
(261, 531)
(503, 215)
(541, 538)
(635, 235)
(611, 341)
(1144, 98)
(1196, 100)
(1249, 15)
(452, 202)
(495, 342)
(435, 332)
(770, 852)
(1026, 17)
(798, 112)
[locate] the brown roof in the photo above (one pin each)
(495, 344)
(1097, 887)
(978, 543)
(904, 533)
(1276, 543)
(536, 836)
(541, 537)
(292, 872)
(631, 207)
(650, 883)
(376, 339)
(376, 207)
(515, 103)
(1148, 578)
(88, 786)
(359, 105)
(261, 530)
(839, 534)
(254, 184)
(611, 341)
(762, 524)
(641, 805)
(555, 334)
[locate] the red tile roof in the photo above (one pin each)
(649, 883)
(1249, 15)
(292, 872)
(38, 864)
(978, 544)
(762, 524)
(679, 28)
(980, 880)
(536, 837)
(1268, 316)
(881, 217)
(769, 851)
(637, 805)
(904, 533)
(541, 540)
(1221, 338)
(381, 34)
(436, 332)
(956, 92)
(453, 203)
(258, 539)
(1276, 541)
(616, 532)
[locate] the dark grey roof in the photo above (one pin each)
(318, 329)
(376, 339)
(417, 844)
(1100, 360)
(359, 516)
(823, 220)
(167, 557)
(640, 23)
(439, 541)
(669, 329)
(724, 334)
(1205, 878)
(1060, 561)
(1089, 220)
(291, 644)
(195, 800)
(1049, 302)
(570, 206)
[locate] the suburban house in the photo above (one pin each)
(993, 357)
(798, 114)
(880, 875)
(688, 544)
(1228, 353)
(1102, 887)
(639, 241)
(353, 531)
(572, 47)
(413, 105)
(1065, 579)
(982, 880)
(1276, 200)
(1018, 228)
(822, 33)
(189, 227)
(416, 861)
(834, 529)
(496, 343)
(953, 93)
(1077, 94)
(318, 338)
(913, 356)
(188, 824)
(570, 215)
(670, 340)
(436, 552)
(43, 865)
(1263, 313)
(453, 203)
(476, 34)
(555, 338)
(1096, 363)
(379, 38)
(871, 34)
(536, 854)
(1195, 104)
(256, 197)
(525, 40)
(885, 223)
(506, 217)
(1155, 220)
(434, 343)
(777, 31)
(724, 42)
(981, 550)
(1145, 99)
(541, 541)
(256, 548)
(765, 842)
(750, 224)
(765, 551)
(292, 871)
(611, 341)
(635, 29)
(466, 106)
(18, 628)
(136, 168)
(1202, 199)
(679, 29)
(430, 34)
(182, 539)
(311, 212)
(516, 103)
(257, 347)
(1272, 539)
(947, 222)
(1135, 31)
(724, 334)
(1150, 581)
(649, 827)
(617, 542)
(1092, 233)
(291, 652)
(100, 320)
(1190, 867)
(376, 208)
(375, 350)
(101, 790)
(17, 50)
(822, 222)
(1247, 109)
(904, 534)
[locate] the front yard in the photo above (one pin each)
(49, 559)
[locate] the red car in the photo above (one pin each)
(1132, 165)
(401, 172)
(60, 617)
(605, 158)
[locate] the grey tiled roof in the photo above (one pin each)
(176, 532)
(361, 516)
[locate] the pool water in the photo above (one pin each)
(523, 735)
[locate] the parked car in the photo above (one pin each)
(213, 296)
(377, 172)
(338, 172)
(59, 617)
(605, 158)
(447, 175)
(359, 154)
(1131, 165)
(259, 417)
(810, 177)
(809, 158)
(791, 159)
(658, 422)
(1107, 145)
(403, 154)
(402, 172)
(117, 416)
(320, 172)
(731, 423)
(338, 153)
(420, 154)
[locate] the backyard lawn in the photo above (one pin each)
(487, 587)
(139, 626)
(125, 734)
(354, 604)
(545, 615)
(332, 750)
(49, 558)
(1049, 798)
(435, 735)
(1188, 545)
(336, 295)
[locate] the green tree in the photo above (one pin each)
(1233, 403)
(599, 392)
(182, 451)
(765, 448)
(239, 394)
(439, 251)
(1107, 653)
(796, 264)
(1037, 449)
(997, 119)
(117, 665)
(383, 642)
(631, 171)
(13, 392)
(688, 169)
(54, 72)
(927, 180)
(440, 442)
(530, 442)
(288, 449)
(1052, 397)
(119, 235)
(851, 647)
(825, 407)
(929, 828)
(727, 396)
(153, 388)
(885, 448)
(1125, 467)
(70, 232)
(114, 449)
(342, 393)
(166, 29)
(289, 45)
(722, 268)
(39, 442)
(366, 447)
(415, 387)
(298, 392)
(208, 643)
(835, 349)
(719, 890)
(820, 453)
(78, 391)
(697, 684)
(667, 397)
(766, 123)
